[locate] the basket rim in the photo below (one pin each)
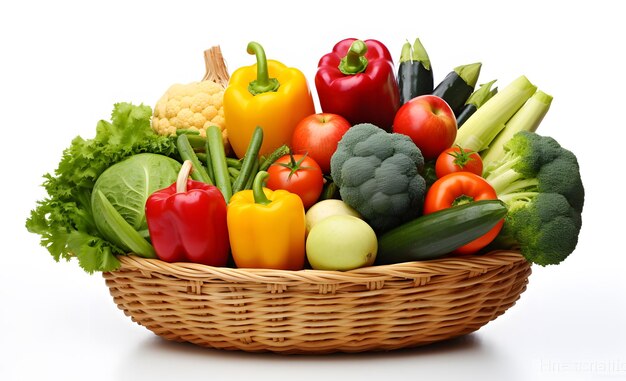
(448, 265)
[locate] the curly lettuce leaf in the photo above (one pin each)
(64, 219)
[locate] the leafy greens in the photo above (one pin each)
(64, 219)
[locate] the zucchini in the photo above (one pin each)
(458, 85)
(437, 234)
(415, 75)
(475, 101)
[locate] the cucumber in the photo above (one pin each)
(458, 85)
(437, 234)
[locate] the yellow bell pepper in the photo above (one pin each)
(266, 228)
(267, 94)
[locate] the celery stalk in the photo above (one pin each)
(481, 128)
(526, 118)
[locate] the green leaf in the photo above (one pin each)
(66, 211)
(93, 253)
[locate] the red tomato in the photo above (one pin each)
(297, 174)
(458, 188)
(454, 160)
(317, 135)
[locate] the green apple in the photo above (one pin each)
(341, 242)
(327, 208)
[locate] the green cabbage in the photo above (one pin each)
(127, 185)
(64, 218)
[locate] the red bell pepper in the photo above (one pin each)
(357, 81)
(187, 222)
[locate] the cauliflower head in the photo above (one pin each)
(192, 106)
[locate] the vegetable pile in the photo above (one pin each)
(243, 171)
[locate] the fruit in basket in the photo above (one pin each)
(327, 208)
(378, 174)
(429, 122)
(297, 174)
(457, 159)
(266, 228)
(459, 188)
(267, 94)
(187, 221)
(197, 105)
(317, 136)
(341, 242)
(357, 81)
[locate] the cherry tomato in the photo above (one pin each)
(454, 159)
(297, 174)
(459, 188)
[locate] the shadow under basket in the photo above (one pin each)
(311, 311)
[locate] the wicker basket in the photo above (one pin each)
(310, 311)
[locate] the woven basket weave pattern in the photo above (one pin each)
(310, 311)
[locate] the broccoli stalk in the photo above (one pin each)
(540, 182)
(527, 118)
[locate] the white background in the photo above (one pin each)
(65, 63)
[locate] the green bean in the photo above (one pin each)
(186, 153)
(255, 170)
(277, 154)
(249, 159)
(208, 160)
(197, 142)
(202, 156)
(186, 131)
(218, 161)
(233, 163)
(233, 171)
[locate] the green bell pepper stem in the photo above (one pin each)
(263, 83)
(257, 188)
(354, 62)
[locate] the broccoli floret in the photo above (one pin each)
(544, 227)
(378, 174)
(540, 182)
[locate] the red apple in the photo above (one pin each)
(429, 121)
(317, 136)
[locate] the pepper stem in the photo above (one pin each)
(462, 200)
(263, 83)
(257, 188)
(354, 62)
(183, 175)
